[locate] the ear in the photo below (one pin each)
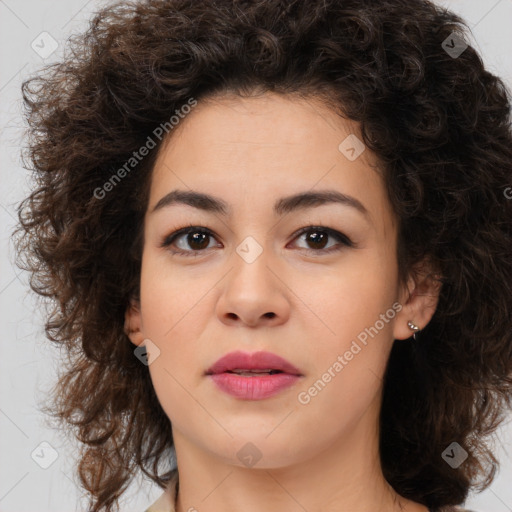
(133, 323)
(419, 300)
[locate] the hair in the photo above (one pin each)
(440, 127)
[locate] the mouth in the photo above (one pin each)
(255, 376)
(254, 373)
(252, 364)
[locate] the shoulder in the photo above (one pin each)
(162, 504)
(166, 502)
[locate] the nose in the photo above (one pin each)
(253, 294)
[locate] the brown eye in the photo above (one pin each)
(189, 240)
(196, 240)
(317, 238)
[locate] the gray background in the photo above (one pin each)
(28, 364)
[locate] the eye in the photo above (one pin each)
(318, 237)
(198, 240)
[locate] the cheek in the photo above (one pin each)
(171, 315)
(352, 327)
(351, 349)
(352, 296)
(167, 295)
(168, 306)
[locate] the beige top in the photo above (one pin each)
(167, 501)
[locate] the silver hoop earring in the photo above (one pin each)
(414, 328)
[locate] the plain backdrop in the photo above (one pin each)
(36, 462)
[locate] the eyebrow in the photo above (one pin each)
(282, 206)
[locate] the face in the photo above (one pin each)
(314, 282)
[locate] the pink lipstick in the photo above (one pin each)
(253, 376)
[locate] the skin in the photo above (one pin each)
(319, 456)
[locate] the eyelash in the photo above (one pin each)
(340, 237)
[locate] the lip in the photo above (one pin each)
(249, 387)
(252, 361)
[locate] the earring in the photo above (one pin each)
(413, 327)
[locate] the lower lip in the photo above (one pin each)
(253, 388)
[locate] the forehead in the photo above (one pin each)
(265, 147)
(268, 119)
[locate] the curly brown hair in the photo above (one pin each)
(439, 124)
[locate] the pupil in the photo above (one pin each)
(315, 235)
(198, 238)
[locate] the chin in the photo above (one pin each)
(258, 451)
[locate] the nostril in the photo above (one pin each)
(270, 315)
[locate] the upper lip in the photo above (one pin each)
(252, 361)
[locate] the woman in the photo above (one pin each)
(277, 236)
